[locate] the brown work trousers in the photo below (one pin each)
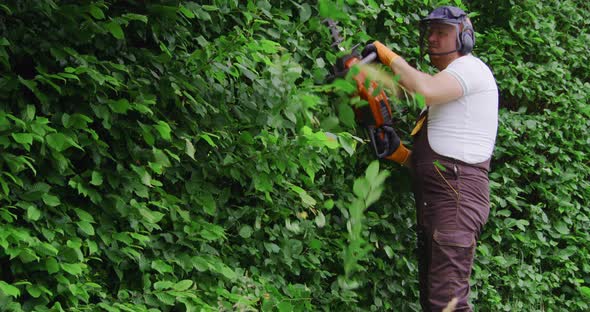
(452, 204)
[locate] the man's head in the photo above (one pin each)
(446, 30)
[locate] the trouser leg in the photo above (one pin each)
(450, 217)
(423, 264)
(451, 259)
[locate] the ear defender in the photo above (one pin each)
(467, 37)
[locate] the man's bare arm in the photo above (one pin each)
(438, 89)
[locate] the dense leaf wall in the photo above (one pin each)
(174, 155)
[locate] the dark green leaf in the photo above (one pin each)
(72, 268)
(96, 12)
(182, 285)
(304, 12)
(161, 266)
(164, 130)
(346, 115)
(23, 138)
(115, 29)
(438, 165)
(96, 178)
(246, 231)
(9, 290)
(33, 213)
(120, 106)
(361, 187)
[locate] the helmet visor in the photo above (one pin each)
(435, 37)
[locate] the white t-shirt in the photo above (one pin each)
(465, 129)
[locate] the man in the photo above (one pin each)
(453, 143)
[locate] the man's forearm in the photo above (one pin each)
(412, 79)
(438, 89)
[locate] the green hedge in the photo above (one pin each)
(179, 156)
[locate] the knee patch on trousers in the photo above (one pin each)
(452, 254)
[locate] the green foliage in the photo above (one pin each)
(179, 156)
(367, 191)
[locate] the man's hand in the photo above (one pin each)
(386, 56)
(369, 48)
(389, 146)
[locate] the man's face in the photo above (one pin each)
(441, 38)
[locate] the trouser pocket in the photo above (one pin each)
(450, 267)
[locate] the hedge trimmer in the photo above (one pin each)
(375, 117)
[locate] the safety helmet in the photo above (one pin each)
(452, 16)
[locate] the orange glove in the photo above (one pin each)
(388, 145)
(386, 56)
(400, 155)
